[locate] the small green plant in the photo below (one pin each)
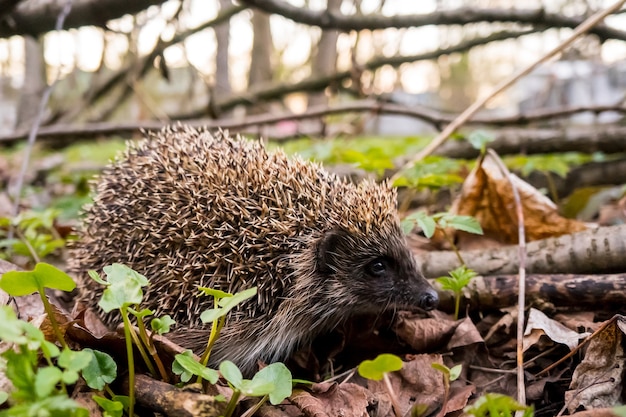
(19, 283)
(35, 235)
(497, 405)
(441, 221)
(378, 369)
(41, 390)
(549, 165)
(458, 279)
(123, 292)
(224, 302)
(479, 140)
(449, 375)
(37, 390)
(432, 173)
(272, 382)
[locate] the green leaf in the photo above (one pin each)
(161, 325)
(11, 329)
(280, 377)
(214, 292)
(375, 369)
(232, 374)
(124, 289)
(465, 223)
(19, 283)
(227, 304)
(96, 277)
(186, 366)
(101, 369)
(424, 221)
(4, 396)
(441, 368)
(496, 405)
(479, 140)
(74, 360)
(140, 314)
(459, 278)
(111, 408)
(455, 372)
(46, 380)
(20, 370)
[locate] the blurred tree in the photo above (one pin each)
(325, 55)
(261, 56)
(34, 83)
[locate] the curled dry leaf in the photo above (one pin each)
(598, 380)
(428, 334)
(487, 195)
(539, 325)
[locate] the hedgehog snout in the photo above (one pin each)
(428, 300)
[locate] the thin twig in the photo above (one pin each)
(478, 104)
(32, 135)
(521, 296)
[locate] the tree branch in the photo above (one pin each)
(461, 16)
(35, 18)
(320, 83)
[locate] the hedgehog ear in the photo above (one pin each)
(326, 250)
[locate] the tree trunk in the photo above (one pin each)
(222, 86)
(325, 60)
(260, 62)
(34, 83)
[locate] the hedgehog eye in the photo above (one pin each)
(377, 267)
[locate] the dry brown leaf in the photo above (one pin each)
(487, 195)
(539, 325)
(427, 334)
(597, 380)
(331, 399)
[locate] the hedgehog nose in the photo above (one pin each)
(428, 300)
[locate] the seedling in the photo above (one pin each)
(500, 405)
(441, 221)
(224, 302)
(449, 375)
(19, 283)
(123, 290)
(378, 369)
(35, 234)
(272, 382)
(458, 279)
(37, 390)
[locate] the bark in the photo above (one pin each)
(325, 60)
(596, 251)
(171, 401)
(34, 83)
(578, 291)
(38, 17)
(587, 139)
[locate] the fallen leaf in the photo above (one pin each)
(597, 380)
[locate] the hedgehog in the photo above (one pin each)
(189, 208)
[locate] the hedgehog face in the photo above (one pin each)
(375, 273)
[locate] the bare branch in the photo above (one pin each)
(320, 83)
(35, 18)
(460, 16)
